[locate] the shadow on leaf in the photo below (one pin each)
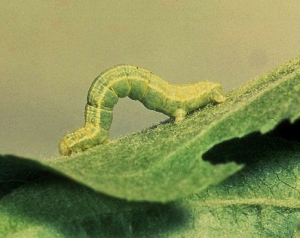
(68, 208)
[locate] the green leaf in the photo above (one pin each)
(165, 163)
(262, 200)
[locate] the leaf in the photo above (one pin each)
(55, 207)
(262, 200)
(164, 164)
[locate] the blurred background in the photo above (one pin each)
(51, 51)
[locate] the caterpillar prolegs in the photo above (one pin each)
(138, 84)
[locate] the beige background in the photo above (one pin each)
(52, 50)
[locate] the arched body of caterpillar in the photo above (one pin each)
(138, 84)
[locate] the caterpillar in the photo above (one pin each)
(138, 84)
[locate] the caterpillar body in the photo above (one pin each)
(138, 84)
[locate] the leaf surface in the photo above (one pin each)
(262, 200)
(165, 163)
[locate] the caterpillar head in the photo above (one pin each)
(63, 148)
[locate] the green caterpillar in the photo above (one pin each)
(138, 84)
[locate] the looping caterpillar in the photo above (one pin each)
(138, 84)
